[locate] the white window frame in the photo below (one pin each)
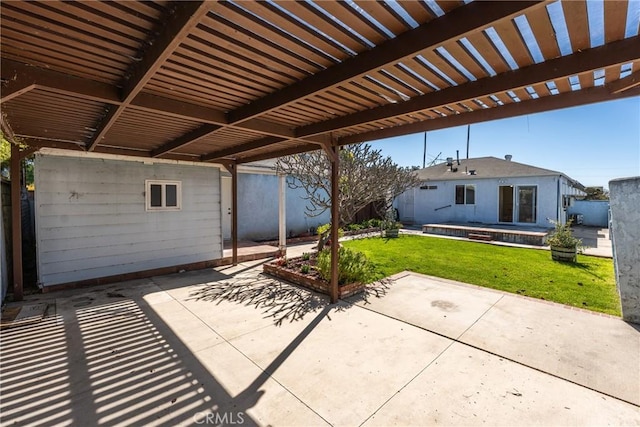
(163, 183)
(464, 201)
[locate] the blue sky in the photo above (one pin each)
(593, 144)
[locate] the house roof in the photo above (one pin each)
(240, 81)
(485, 167)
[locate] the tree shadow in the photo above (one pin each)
(278, 299)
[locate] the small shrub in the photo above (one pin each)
(305, 269)
(353, 266)
(354, 227)
(562, 236)
(373, 223)
(325, 234)
(306, 256)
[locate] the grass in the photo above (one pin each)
(588, 284)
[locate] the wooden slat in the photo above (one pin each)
(256, 34)
(418, 11)
(315, 19)
(541, 89)
(196, 48)
(563, 85)
(269, 56)
(188, 54)
(353, 20)
(466, 60)
(44, 24)
(410, 79)
(575, 15)
(543, 32)
(611, 74)
(444, 67)
(508, 33)
(586, 80)
(381, 14)
(615, 19)
(425, 72)
(483, 45)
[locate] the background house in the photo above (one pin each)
(488, 190)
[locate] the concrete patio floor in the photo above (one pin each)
(231, 346)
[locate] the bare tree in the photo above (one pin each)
(365, 176)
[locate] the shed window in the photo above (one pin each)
(465, 194)
(163, 195)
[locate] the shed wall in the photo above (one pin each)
(91, 219)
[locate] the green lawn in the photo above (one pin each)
(588, 284)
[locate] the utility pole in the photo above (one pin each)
(424, 152)
(468, 134)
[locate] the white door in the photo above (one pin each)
(225, 189)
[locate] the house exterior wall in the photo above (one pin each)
(258, 208)
(438, 205)
(595, 212)
(91, 218)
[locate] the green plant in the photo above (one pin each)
(354, 227)
(562, 236)
(391, 225)
(353, 266)
(306, 256)
(305, 269)
(373, 223)
(324, 231)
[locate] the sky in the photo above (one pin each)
(592, 144)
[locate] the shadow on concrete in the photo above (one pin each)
(98, 362)
(109, 364)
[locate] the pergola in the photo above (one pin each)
(231, 82)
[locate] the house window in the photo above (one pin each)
(465, 194)
(429, 187)
(163, 195)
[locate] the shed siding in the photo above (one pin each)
(91, 220)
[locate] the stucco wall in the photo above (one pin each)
(438, 206)
(91, 218)
(595, 212)
(625, 232)
(258, 208)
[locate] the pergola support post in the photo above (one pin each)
(234, 213)
(335, 223)
(282, 214)
(16, 223)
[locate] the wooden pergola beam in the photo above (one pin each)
(16, 223)
(279, 153)
(186, 139)
(15, 88)
(629, 82)
(240, 148)
(64, 84)
(450, 27)
(177, 26)
(615, 53)
(547, 103)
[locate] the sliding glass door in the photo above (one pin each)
(518, 204)
(527, 201)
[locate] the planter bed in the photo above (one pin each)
(291, 272)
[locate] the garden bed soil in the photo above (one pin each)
(311, 280)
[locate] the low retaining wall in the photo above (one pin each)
(534, 238)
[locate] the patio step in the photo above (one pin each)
(476, 236)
